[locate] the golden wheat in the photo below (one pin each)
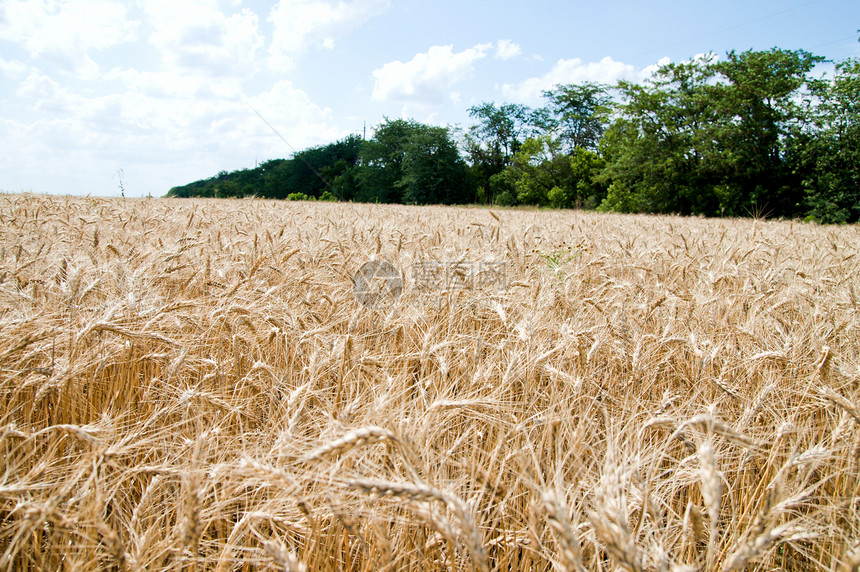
(194, 385)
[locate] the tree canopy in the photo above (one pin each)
(753, 133)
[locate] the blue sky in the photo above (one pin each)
(163, 91)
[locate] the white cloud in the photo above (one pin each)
(201, 37)
(299, 25)
(54, 100)
(506, 50)
(177, 83)
(25, 148)
(86, 162)
(224, 128)
(161, 137)
(65, 31)
(13, 69)
(169, 105)
(37, 87)
(428, 76)
(294, 115)
(607, 71)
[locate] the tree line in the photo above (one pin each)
(754, 133)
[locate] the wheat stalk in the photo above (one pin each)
(353, 440)
(425, 493)
(190, 384)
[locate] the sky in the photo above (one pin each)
(109, 97)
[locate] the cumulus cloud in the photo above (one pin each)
(299, 25)
(289, 108)
(83, 161)
(203, 38)
(427, 77)
(506, 50)
(227, 127)
(38, 87)
(607, 71)
(54, 100)
(13, 69)
(24, 145)
(180, 115)
(65, 31)
(172, 138)
(177, 83)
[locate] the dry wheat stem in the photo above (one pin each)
(192, 384)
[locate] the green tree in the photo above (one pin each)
(758, 107)
(310, 172)
(407, 161)
(711, 137)
(587, 189)
(433, 170)
(314, 170)
(543, 174)
(494, 139)
(831, 153)
(228, 189)
(657, 149)
(274, 174)
(578, 114)
(537, 168)
(503, 191)
(499, 132)
(381, 163)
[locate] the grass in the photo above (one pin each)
(191, 384)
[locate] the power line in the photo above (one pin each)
(273, 129)
(833, 42)
(295, 153)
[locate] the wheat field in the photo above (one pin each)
(192, 385)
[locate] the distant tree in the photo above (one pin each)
(578, 114)
(537, 168)
(381, 163)
(406, 161)
(300, 197)
(503, 188)
(274, 174)
(710, 137)
(311, 172)
(830, 154)
(226, 188)
(494, 139)
(315, 170)
(499, 132)
(433, 170)
(656, 150)
(586, 190)
(758, 105)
